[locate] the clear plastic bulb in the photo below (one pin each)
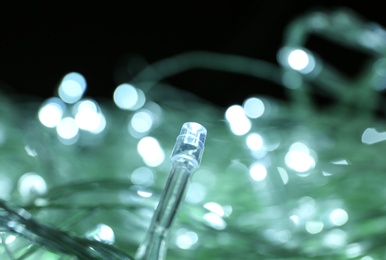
(186, 158)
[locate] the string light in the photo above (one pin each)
(270, 186)
(186, 158)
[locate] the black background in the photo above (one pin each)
(40, 43)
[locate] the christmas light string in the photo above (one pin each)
(186, 158)
(316, 151)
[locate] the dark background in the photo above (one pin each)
(40, 43)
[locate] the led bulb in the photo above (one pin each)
(190, 144)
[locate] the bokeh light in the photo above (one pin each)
(51, 112)
(72, 87)
(102, 233)
(300, 158)
(128, 97)
(270, 184)
(151, 151)
(238, 122)
(254, 107)
(88, 116)
(31, 185)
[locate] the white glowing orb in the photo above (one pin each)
(151, 151)
(67, 128)
(102, 233)
(314, 227)
(215, 208)
(72, 87)
(143, 176)
(238, 122)
(214, 221)
(295, 219)
(233, 113)
(31, 184)
(254, 142)
(7, 240)
(254, 107)
(258, 171)
(335, 238)
(51, 112)
(87, 117)
(126, 96)
(298, 59)
(299, 158)
(87, 104)
(301, 61)
(186, 239)
(141, 100)
(142, 121)
(354, 250)
(144, 193)
(338, 217)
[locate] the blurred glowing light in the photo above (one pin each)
(8, 240)
(335, 238)
(254, 107)
(314, 227)
(234, 112)
(142, 121)
(72, 87)
(307, 208)
(141, 99)
(282, 236)
(299, 158)
(67, 128)
(295, 219)
(86, 104)
(301, 61)
(186, 239)
(196, 192)
(126, 96)
(238, 121)
(214, 220)
(254, 142)
(258, 171)
(151, 151)
(31, 184)
(298, 59)
(215, 208)
(372, 136)
(338, 217)
(88, 118)
(144, 193)
(51, 112)
(143, 176)
(102, 233)
(353, 250)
